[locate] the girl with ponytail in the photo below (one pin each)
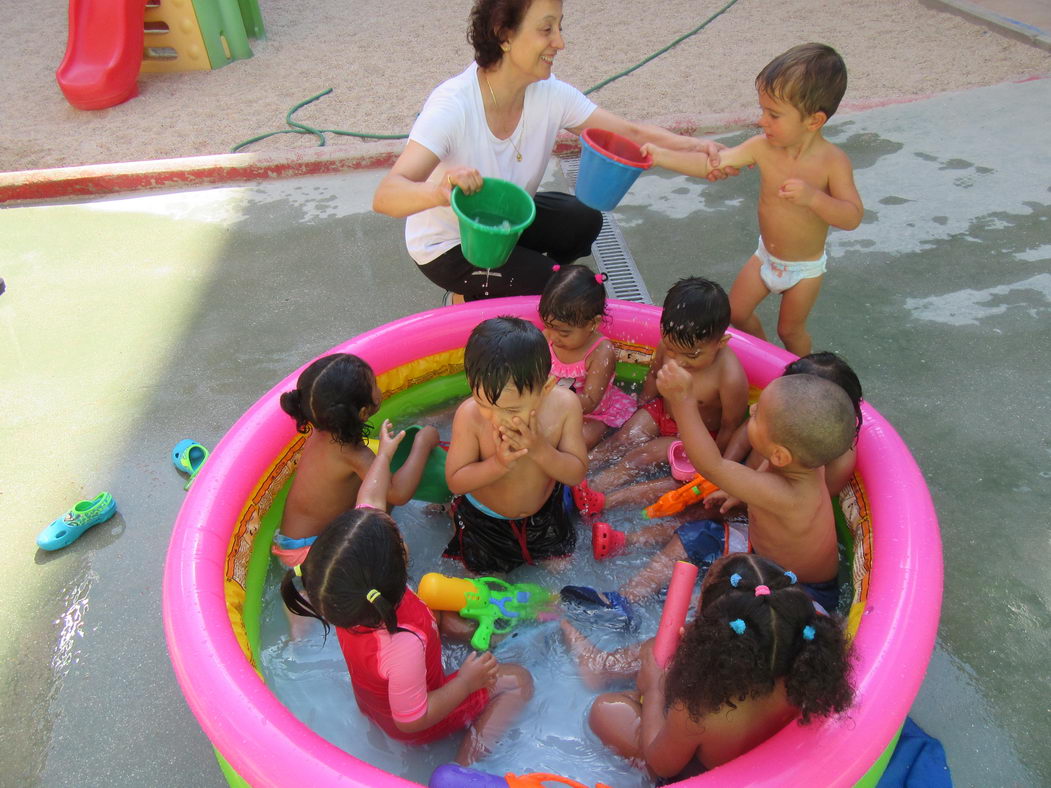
(354, 579)
(331, 403)
(757, 655)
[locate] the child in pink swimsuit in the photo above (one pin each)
(572, 307)
(355, 579)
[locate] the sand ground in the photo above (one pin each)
(382, 61)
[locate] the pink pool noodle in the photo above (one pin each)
(673, 617)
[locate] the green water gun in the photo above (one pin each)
(495, 604)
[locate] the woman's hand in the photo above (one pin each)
(467, 178)
(717, 173)
(479, 671)
(655, 152)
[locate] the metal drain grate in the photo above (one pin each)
(611, 252)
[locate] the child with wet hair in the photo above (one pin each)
(694, 320)
(516, 442)
(756, 655)
(331, 403)
(355, 579)
(572, 307)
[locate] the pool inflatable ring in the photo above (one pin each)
(208, 620)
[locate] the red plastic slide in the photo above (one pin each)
(103, 54)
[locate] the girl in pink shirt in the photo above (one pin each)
(572, 308)
(355, 580)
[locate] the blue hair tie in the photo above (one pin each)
(808, 632)
(735, 579)
(738, 626)
(791, 576)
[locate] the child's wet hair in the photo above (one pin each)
(506, 350)
(742, 642)
(695, 310)
(812, 417)
(329, 396)
(829, 366)
(811, 77)
(574, 295)
(354, 574)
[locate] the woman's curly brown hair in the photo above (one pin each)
(490, 23)
(720, 663)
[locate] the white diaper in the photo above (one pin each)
(779, 275)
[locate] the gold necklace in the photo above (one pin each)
(518, 153)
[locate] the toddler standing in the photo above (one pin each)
(806, 185)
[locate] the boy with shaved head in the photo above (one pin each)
(799, 423)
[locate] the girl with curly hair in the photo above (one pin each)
(756, 656)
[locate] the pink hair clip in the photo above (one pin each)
(601, 277)
(762, 590)
(555, 267)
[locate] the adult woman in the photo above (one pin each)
(499, 119)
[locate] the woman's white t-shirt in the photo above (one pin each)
(453, 127)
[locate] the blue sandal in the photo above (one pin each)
(188, 456)
(70, 526)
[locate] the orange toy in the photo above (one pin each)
(452, 775)
(539, 780)
(675, 501)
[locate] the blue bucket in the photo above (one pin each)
(609, 164)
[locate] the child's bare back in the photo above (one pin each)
(334, 398)
(798, 529)
(328, 477)
(799, 423)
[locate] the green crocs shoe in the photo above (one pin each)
(188, 456)
(70, 526)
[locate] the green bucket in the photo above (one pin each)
(491, 220)
(432, 484)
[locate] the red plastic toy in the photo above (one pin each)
(103, 54)
(673, 617)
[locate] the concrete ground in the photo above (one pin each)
(132, 322)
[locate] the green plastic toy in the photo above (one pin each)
(495, 604)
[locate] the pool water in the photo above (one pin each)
(308, 673)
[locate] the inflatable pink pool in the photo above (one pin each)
(897, 570)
